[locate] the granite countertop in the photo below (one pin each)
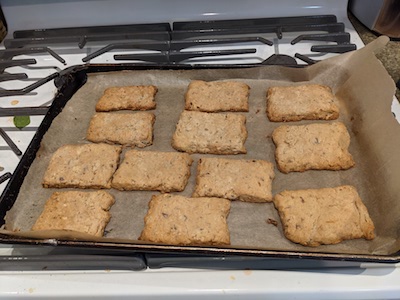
(389, 56)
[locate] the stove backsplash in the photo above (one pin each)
(33, 14)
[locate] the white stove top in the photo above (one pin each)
(369, 281)
(168, 283)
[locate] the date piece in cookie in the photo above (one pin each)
(178, 220)
(303, 102)
(130, 129)
(234, 179)
(215, 96)
(312, 147)
(214, 133)
(140, 97)
(85, 212)
(153, 171)
(82, 166)
(323, 216)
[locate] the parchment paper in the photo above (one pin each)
(364, 91)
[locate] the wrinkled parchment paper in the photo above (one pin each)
(364, 91)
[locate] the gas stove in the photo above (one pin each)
(48, 38)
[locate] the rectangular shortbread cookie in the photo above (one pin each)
(177, 220)
(140, 97)
(304, 102)
(200, 132)
(245, 180)
(85, 212)
(131, 129)
(153, 171)
(315, 146)
(217, 96)
(323, 216)
(82, 166)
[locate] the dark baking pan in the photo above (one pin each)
(68, 83)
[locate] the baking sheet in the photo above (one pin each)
(364, 91)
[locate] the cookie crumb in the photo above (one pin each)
(272, 222)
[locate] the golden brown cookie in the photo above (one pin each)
(200, 132)
(323, 216)
(85, 212)
(215, 96)
(177, 220)
(82, 166)
(140, 97)
(302, 102)
(312, 147)
(153, 171)
(130, 129)
(234, 179)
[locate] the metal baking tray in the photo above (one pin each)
(70, 81)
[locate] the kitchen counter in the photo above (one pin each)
(389, 56)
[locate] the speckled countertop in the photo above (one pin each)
(389, 56)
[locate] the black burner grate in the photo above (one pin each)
(169, 42)
(171, 45)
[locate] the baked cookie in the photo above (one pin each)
(315, 146)
(245, 180)
(302, 102)
(215, 96)
(200, 132)
(82, 166)
(140, 97)
(153, 171)
(177, 220)
(85, 212)
(323, 216)
(129, 129)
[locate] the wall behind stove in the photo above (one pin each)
(39, 14)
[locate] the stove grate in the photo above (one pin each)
(160, 37)
(15, 76)
(4, 64)
(24, 111)
(8, 54)
(10, 142)
(5, 177)
(29, 88)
